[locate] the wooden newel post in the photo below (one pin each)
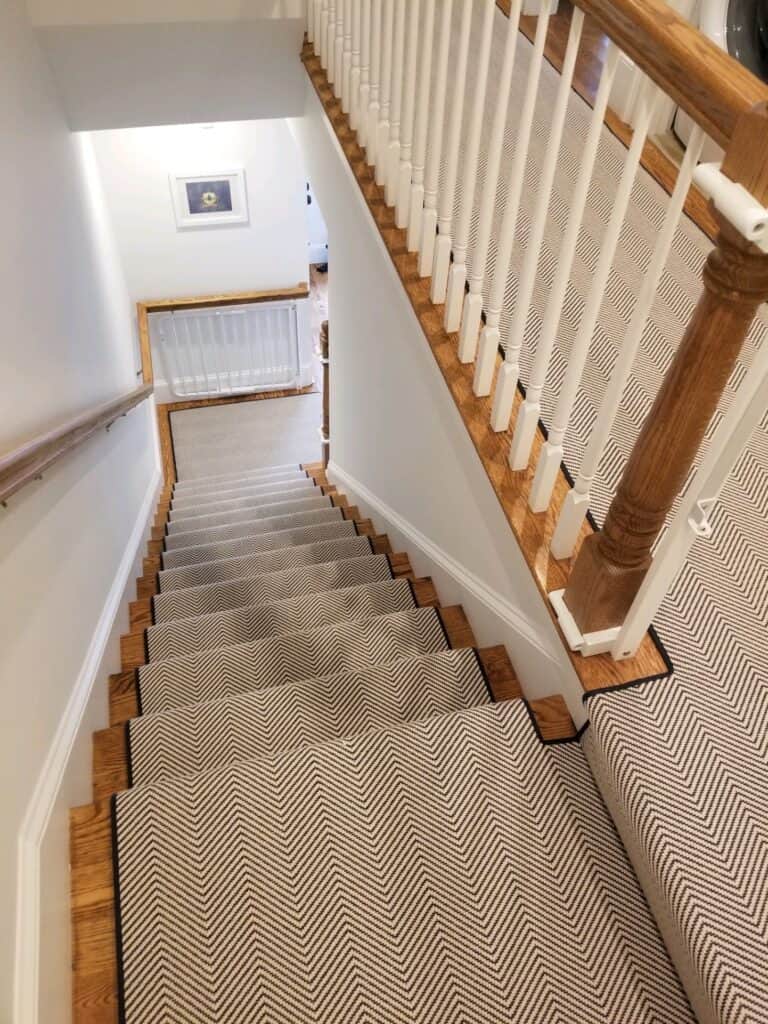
(611, 564)
(325, 430)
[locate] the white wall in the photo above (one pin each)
(398, 443)
(161, 261)
(120, 76)
(117, 12)
(67, 344)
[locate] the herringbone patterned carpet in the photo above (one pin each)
(329, 819)
(449, 870)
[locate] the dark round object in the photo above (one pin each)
(747, 34)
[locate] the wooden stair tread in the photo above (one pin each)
(500, 673)
(553, 718)
(94, 948)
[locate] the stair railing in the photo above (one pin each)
(620, 574)
(29, 461)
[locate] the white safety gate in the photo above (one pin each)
(230, 350)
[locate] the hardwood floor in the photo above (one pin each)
(591, 57)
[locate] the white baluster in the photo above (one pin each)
(382, 142)
(318, 42)
(432, 177)
(443, 242)
(323, 34)
(528, 415)
(473, 303)
(317, 10)
(421, 128)
(308, 19)
(578, 499)
(405, 170)
(365, 74)
(398, 60)
(330, 45)
(692, 520)
(457, 274)
(310, 30)
(356, 72)
(338, 50)
(507, 382)
(346, 60)
(490, 334)
(552, 452)
(374, 108)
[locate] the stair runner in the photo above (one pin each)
(330, 819)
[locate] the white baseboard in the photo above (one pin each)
(542, 669)
(49, 783)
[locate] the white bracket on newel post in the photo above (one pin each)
(738, 206)
(599, 642)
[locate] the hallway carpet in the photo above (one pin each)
(281, 430)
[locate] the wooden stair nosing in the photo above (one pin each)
(553, 718)
(499, 673)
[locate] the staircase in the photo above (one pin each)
(327, 804)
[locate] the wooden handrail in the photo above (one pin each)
(27, 462)
(710, 85)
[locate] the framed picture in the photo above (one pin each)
(209, 200)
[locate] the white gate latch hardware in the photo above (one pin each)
(699, 520)
(735, 203)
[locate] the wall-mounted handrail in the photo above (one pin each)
(31, 459)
